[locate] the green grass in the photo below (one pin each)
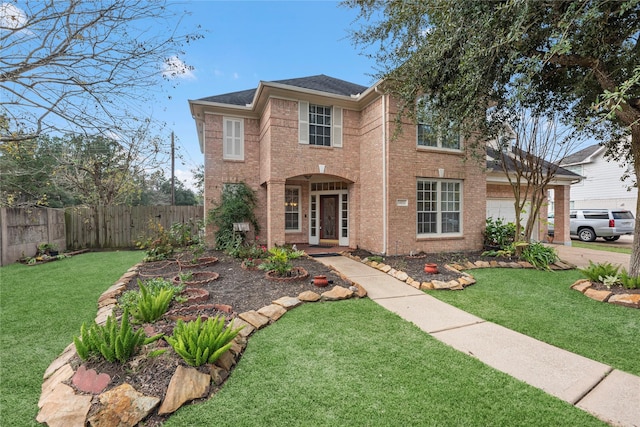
(41, 309)
(541, 305)
(355, 363)
(600, 246)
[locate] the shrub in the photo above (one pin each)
(201, 342)
(129, 299)
(162, 242)
(237, 205)
(152, 305)
(539, 255)
(595, 271)
(629, 282)
(279, 260)
(498, 234)
(111, 341)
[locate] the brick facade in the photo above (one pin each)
(379, 167)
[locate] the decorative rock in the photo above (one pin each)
(451, 284)
(90, 381)
(254, 319)
(107, 301)
(337, 293)
(493, 264)
(401, 275)
(482, 264)
(413, 283)
(427, 286)
(288, 302)
(186, 384)
(272, 311)
(470, 266)
(385, 268)
(104, 313)
(582, 285)
(525, 264)
(627, 300)
(237, 345)
(226, 361)
(360, 291)
(64, 358)
(246, 330)
(225, 308)
(218, 375)
(503, 264)
(466, 281)
(61, 375)
(123, 406)
(309, 296)
(64, 408)
(597, 295)
(458, 267)
(514, 265)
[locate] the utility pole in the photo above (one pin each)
(173, 171)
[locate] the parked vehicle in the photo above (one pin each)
(610, 224)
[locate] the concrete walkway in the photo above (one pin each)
(611, 395)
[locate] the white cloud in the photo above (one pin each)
(12, 17)
(186, 177)
(174, 67)
(236, 76)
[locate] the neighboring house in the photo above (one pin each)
(601, 186)
(329, 168)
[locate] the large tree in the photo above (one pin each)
(578, 59)
(81, 66)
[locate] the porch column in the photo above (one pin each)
(561, 217)
(275, 213)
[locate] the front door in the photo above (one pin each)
(329, 217)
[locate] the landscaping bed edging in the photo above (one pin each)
(60, 404)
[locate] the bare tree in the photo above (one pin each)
(530, 158)
(81, 66)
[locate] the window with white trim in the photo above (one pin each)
(430, 136)
(233, 138)
(292, 208)
(439, 207)
(319, 125)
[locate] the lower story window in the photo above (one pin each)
(292, 209)
(439, 207)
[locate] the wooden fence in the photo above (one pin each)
(121, 226)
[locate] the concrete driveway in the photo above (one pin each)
(581, 257)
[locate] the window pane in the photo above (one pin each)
(319, 125)
(426, 136)
(291, 208)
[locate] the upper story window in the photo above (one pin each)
(319, 125)
(430, 136)
(232, 138)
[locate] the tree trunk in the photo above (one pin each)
(634, 264)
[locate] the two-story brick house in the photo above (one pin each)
(328, 167)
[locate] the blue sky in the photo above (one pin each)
(249, 41)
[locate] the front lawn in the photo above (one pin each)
(41, 309)
(600, 246)
(541, 305)
(355, 363)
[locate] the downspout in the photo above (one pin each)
(384, 172)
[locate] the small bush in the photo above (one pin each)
(151, 305)
(111, 341)
(162, 243)
(201, 342)
(594, 272)
(539, 255)
(237, 204)
(629, 282)
(498, 233)
(279, 260)
(129, 299)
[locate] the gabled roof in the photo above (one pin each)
(319, 83)
(493, 164)
(583, 156)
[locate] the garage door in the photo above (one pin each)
(503, 208)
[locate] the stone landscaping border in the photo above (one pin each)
(583, 285)
(61, 405)
(586, 287)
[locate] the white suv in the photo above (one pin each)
(610, 224)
